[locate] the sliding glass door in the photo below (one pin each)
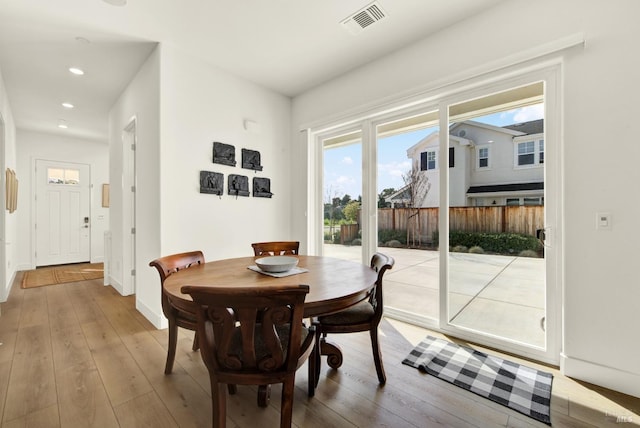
(498, 285)
(463, 191)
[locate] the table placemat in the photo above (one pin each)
(294, 271)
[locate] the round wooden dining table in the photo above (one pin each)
(334, 284)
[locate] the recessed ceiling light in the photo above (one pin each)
(67, 105)
(62, 124)
(76, 71)
(116, 2)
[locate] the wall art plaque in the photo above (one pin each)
(262, 187)
(251, 160)
(224, 154)
(238, 185)
(211, 182)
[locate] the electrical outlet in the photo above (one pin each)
(603, 221)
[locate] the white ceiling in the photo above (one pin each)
(288, 46)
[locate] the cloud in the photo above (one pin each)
(525, 114)
(347, 160)
(394, 169)
(343, 179)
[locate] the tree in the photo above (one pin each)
(351, 211)
(332, 204)
(383, 195)
(418, 186)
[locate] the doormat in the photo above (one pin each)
(513, 385)
(62, 274)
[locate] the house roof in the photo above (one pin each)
(528, 128)
(515, 187)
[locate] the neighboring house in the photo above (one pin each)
(488, 165)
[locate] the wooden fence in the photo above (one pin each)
(499, 219)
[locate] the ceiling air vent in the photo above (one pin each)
(364, 18)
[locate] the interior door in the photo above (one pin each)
(63, 226)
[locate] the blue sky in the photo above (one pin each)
(343, 165)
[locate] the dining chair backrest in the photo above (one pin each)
(276, 248)
(171, 264)
(380, 263)
(178, 314)
(246, 331)
(252, 336)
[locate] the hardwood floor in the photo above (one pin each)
(80, 355)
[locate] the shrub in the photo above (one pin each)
(386, 235)
(356, 241)
(460, 249)
(394, 243)
(501, 243)
(528, 253)
(476, 250)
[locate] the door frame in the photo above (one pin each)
(553, 192)
(548, 70)
(3, 228)
(128, 137)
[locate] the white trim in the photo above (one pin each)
(157, 319)
(609, 377)
(448, 85)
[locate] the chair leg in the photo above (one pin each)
(313, 361)
(286, 406)
(196, 342)
(173, 342)
(377, 356)
(218, 404)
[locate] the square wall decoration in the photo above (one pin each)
(238, 185)
(211, 182)
(224, 154)
(262, 187)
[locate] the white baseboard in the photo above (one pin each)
(158, 320)
(116, 285)
(608, 377)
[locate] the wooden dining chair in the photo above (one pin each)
(252, 336)
(363, 316)
(276, 248)
(178, 313)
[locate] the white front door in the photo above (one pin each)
(63, 227)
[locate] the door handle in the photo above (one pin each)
(544, 236)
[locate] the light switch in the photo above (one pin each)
(603, 221)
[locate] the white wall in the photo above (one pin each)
(33, 145)
(600, 151)
(9, 156)
(200, 104)
(140, 100)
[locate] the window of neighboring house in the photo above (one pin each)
(428, 160)
(513, 201)
(483, 157)
(532, 201)
(529, 153)
(452, 157)
(526, 153)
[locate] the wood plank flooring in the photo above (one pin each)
(80, 355)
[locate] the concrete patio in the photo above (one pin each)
(499, 295)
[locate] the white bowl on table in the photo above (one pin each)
(275, 264)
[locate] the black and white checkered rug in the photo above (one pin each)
(518, 387)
